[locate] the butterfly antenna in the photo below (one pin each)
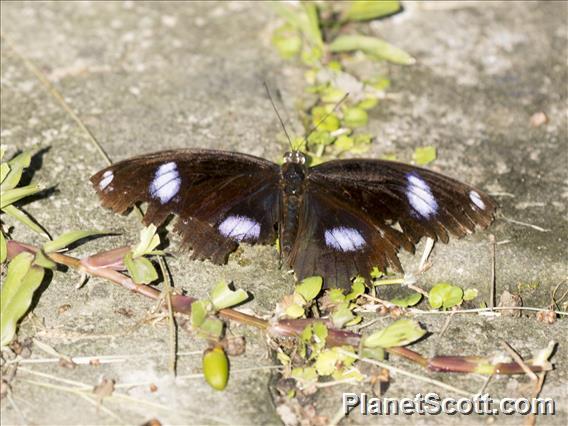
(314, 127)
(278, 114)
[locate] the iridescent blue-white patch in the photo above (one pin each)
(166, 182)
(344, 239)
(420, 196)
(108, 176)
(476, 199)
(240, 228)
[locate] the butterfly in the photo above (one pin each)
(338, 219)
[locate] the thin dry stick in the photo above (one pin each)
(529, 225)
(171, 320)
(492, 282)
(482, 310)
(519, 360)
(446, 325)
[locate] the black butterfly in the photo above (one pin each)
(338, 219)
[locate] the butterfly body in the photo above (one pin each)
(338, 219)
(292, 180)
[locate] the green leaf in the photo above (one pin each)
(357, 289)
(445, 295)
(69, 238)
(199, 311)
(321, 138)
(149, 240)
(363, 10)
(310, 287)
(355, 117)
(368, 103)
(376, 273)
(399, 333)
(372, 46)
(4, 170)
(223, 297)
(332, 95)
(287, 41)
(216, 368)
(3, 248)
(377, 353)
(405, 302)
(424, 155)
(470, 294)
(342, 316)
(294, 311)
(308, 374)
(344, 143)
(324, 120)
(320, 333)
(12, 195)
(326, 362)
(310, 25)
(22, 217)
(141, 269)
(19, 286)
(13, 174)
(42, 260)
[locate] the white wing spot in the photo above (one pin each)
(240, 228)
(476, 199)
(108, 176)
(420, 196)
(344, 239)
(166, 182)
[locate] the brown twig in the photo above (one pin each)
(285, 327)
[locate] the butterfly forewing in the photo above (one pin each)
(222, 198)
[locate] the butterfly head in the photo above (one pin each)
(295, 157)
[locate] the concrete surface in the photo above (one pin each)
(148, 76)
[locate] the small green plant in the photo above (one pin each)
(320, 35)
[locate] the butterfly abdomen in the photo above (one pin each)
(292, 183)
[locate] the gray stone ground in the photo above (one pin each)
(150, 76)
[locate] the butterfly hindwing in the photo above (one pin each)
(338, 242)
(221, 198)
(398, 202)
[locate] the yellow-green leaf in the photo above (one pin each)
(12, 175)
(326, 361)
(22, 217)
(445, 295)
(310, 287)
(372, 46)
(355, 117)
(149, 240)
(424, 155)
(199, 311)
(223, 297)
(362, 10)
(399, 333)
(12, 195)
(19, 286)
(410, 300)
(69, 238)
(141, 269)
(294, 311)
